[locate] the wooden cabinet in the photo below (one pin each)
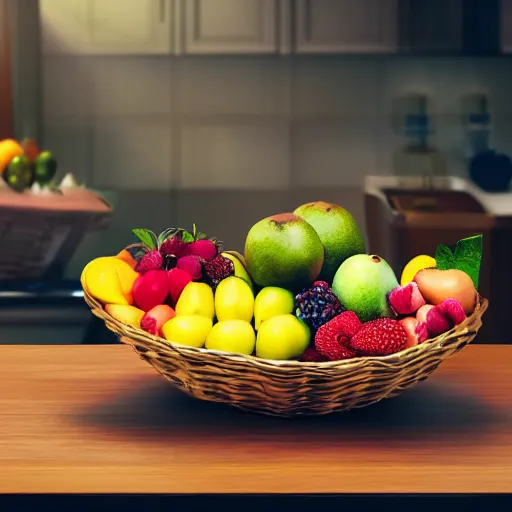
(431, 26)
(346, 26)
(106, 26)
(506, 26)
(230, 26)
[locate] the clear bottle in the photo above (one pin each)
(418, 157)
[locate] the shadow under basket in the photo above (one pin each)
(291, 388)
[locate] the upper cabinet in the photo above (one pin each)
(431, 26)
(506, 26)
(230, 26)
(106, 26)
(346, 26)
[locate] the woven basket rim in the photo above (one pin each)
(127, 332)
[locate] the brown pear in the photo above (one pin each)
(438, 285)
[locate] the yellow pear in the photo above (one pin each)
(190, 330)
(196, 299)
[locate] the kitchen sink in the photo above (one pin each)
(433, 201)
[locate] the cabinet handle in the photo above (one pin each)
(162, 10)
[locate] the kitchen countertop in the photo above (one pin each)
(498, 204)
(98, 419)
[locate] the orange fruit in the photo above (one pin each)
(9, 148)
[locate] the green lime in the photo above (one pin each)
(45, 167)
(19, 174)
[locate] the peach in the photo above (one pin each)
(126, 314)
(438, 285)
(155, 318)
(416, 331)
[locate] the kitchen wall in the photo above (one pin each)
(225, 141)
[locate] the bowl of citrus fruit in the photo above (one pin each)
(304, 322)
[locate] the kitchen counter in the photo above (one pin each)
(97, 419)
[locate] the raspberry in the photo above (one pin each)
(174, 246)
(379, 337)
(312, 355)
(153, 260)
(406, 300)
(191, 265)
(204, 249)
(332, 339)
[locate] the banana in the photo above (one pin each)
(234, 300)
(240, 266)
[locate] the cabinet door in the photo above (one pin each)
(106, 26)
(506, 26)
(431, 26)
(230, 26)
(346, 26)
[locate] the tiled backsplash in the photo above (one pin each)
(251, 122)
(244, 125)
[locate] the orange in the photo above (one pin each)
(9, 148)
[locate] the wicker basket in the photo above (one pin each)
(39, 243)
(288, 388)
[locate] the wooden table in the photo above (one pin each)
(97, 419)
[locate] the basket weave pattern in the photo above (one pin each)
(287, 388)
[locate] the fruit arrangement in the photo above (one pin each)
(24, 166)
(305, 289)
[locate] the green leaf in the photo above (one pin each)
(194, 231)
(468, 256)
(444, 257)
(166, 234)
(187, 237)
(201, 236)
(146, 236)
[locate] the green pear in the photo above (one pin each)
(339, 232)
(236, 336)
(272, 301)
(285, 251)
(362, 284)
(282, 337)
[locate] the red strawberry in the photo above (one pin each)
(312, 355)
(332, 339)
(205, 249)
(177, 280)
(192, 265)
(379, 337)
(150, 289)
(153, 260)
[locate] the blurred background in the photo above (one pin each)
(222, 112)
